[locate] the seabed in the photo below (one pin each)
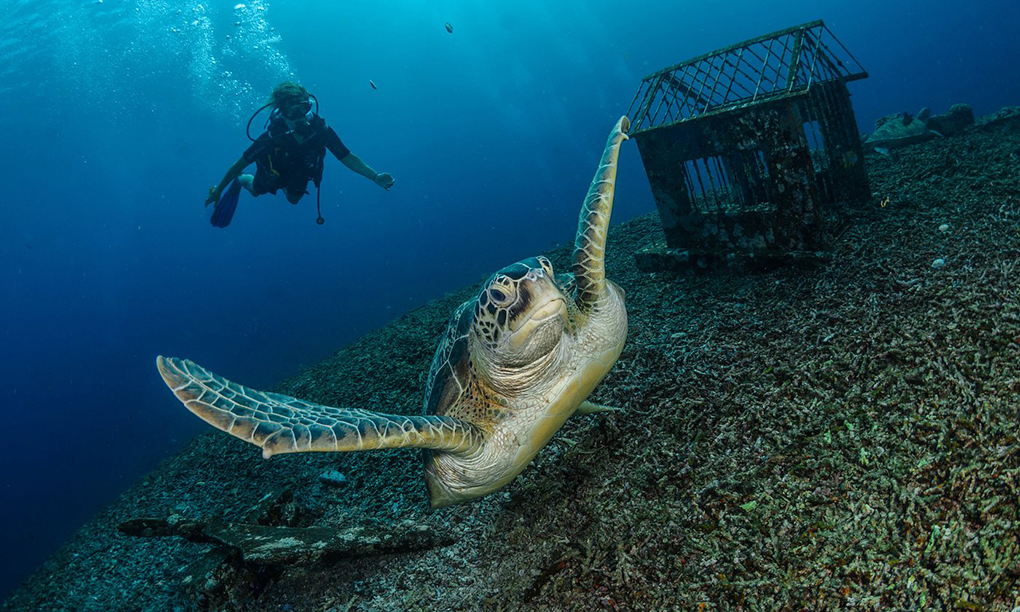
(838, 438)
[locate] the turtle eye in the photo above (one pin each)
(497, 295)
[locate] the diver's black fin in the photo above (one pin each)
(225, 208)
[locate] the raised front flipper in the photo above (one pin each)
(593, 223)
(283, 424)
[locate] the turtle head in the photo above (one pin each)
(520, 315)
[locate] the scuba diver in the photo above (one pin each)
(287, 155)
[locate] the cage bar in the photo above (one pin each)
(751, 149)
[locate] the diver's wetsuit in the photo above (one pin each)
(282, 161)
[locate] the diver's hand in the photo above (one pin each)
(384, 180)
(214, 196)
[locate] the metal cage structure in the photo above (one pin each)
(750, 148)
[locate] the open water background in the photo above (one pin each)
(118, 115)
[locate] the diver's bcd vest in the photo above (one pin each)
(293, 159)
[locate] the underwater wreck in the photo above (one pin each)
(751, 150)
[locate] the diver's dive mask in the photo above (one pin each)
(294, 114)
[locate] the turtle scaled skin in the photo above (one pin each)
(513, 365)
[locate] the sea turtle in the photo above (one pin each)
(512, 366)
(900, 131)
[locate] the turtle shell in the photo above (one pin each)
(450, 373)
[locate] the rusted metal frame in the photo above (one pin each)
(704, 192)
(642, 112)
(834, 131)
(746, 43)
(761, 72)
(731, 160)
(847, 120)
(687, 94)
(710, 171)
(712, 197)
(689, 185)
(828, 57)
(814, 61)
(722, 69)
(739, 96)
(650, 98)
(775, 79)
(863, 73)
(840, 136)
(734, 109)
(718, 75)
(749, 77)
(667, 90)
(658, 90)
(694, 77)
(736, 160)
(759, 170)
(687, 105)
(782, 62)
(798, 42)
(686, 167)
(637, 94)
(772, 80)
(815, 53)
(761, 75)
(677, 84)
(716, 98)
(736, 71)
(726, 183)
(755, 179)
(670, 96)
(828, 70)
(844, 131)
(824, 182)
(855, 180)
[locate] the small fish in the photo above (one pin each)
(449, 28)
(849, 159)
(372, 83)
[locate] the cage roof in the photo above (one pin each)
(784, 63)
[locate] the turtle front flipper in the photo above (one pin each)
(593, 223)
(283, 424)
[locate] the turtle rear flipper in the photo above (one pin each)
(283, 424)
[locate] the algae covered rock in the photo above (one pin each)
(959, 118)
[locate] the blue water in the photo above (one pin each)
(118, 115)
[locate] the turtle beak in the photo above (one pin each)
(554, 308)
